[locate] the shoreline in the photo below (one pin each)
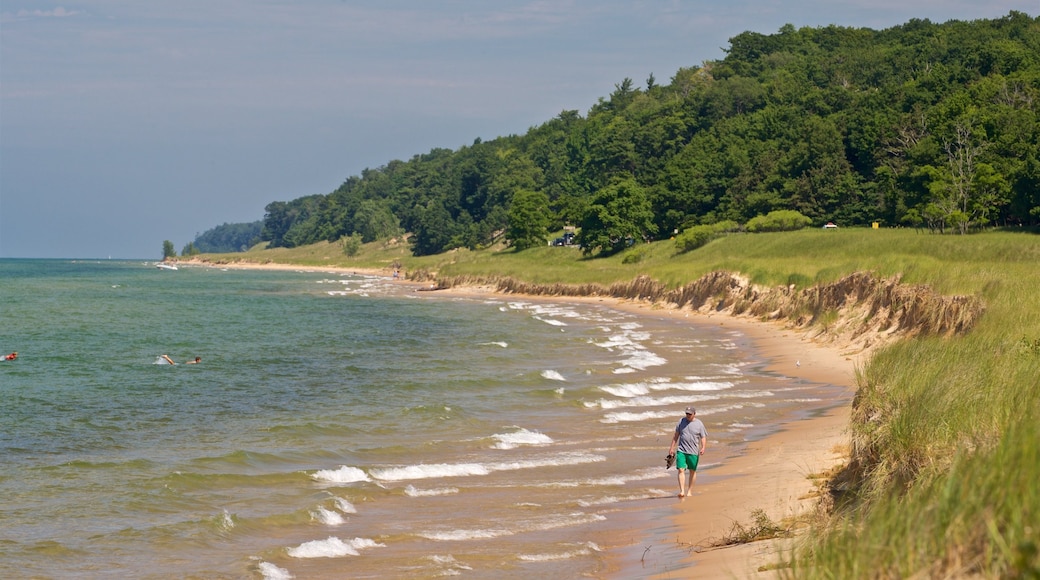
(770, 474)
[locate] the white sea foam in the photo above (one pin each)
(554, 522)
(500, 343)
(659, 384)
(568, 483)
(271, 572)
(435, 470)
(615, 341)
(634, 355)
(699, 385)
(548, 313)
(432, 470)
(332, 547)
(327, 517)
(460, 535)
(552, 375)
(550, 461)
(624, 478)
(648, 473)
(731, 369)
(344, 474)
(551, 321)
(627, 390)
(345, 506)
(453, 566)
(449, 559)
(612, 499)
(411, 491)
(225, 521)
(677, 400)
(584, 550)
(617, 479)
(521, 437)
(623, 417)
(674, 400)
(642, 359)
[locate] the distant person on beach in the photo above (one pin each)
(11, 356)
(690, 440)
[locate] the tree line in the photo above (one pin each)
(921, 125)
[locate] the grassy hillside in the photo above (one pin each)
(945, 461)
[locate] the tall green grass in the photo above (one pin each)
(944, 474)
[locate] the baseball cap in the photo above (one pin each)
(691, 410)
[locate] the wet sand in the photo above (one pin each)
(771, 475)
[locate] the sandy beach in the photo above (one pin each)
(772, 475)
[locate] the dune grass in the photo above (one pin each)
(944, 476)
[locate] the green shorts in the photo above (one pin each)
(686, 461)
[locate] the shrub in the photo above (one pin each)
(726, 226)
(351, 244)
(694, 238)
(785, 220)
(635, 255)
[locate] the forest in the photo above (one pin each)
(924, 125)
(226, 237)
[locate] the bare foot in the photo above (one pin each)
(681, 494)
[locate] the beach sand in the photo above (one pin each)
(772, 475)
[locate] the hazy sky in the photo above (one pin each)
(124, 123)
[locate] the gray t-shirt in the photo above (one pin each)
(690, 433)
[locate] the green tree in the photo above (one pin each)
(168, 251)
(237, 237)
(620, 214)
(190, 250)
(965, 192)
(528, 219)
(433, 231)
(375, 221)
(921, 123)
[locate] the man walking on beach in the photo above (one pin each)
(691, 438)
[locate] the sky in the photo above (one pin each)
(125, 123)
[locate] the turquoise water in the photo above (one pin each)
(343, 425)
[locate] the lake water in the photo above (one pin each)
(344, 426)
